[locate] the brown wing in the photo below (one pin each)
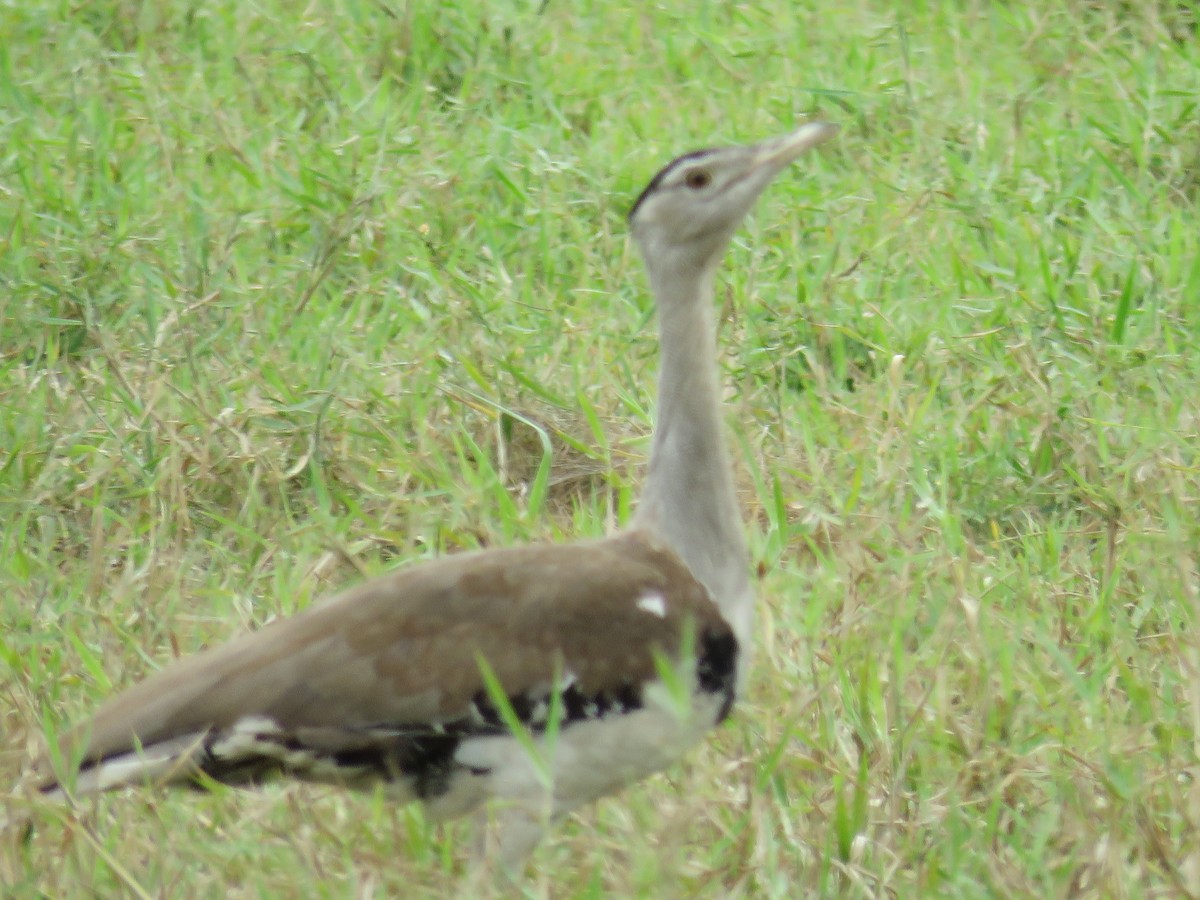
(401, 651)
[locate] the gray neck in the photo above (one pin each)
(688, 498)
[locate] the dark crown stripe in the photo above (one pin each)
(657, 180)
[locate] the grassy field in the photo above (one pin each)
(293, 294)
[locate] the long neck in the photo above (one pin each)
(688, 498)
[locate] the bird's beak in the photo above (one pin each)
(776, 153)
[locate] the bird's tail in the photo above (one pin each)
(157, 764)
(160, 763)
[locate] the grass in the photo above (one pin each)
(291, 294)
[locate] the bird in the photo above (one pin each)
(529, 680)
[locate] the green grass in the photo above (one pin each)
(292, 293)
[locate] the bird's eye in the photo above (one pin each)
(697, 179)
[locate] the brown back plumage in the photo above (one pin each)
(401, 650)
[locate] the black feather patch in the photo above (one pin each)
(716, 670)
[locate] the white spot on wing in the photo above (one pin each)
(256, 724)
(654, 604)
(245, 738)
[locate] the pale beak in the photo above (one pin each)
(778, 152)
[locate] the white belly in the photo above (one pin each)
(582, 762)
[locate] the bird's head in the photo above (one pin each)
(690, 209)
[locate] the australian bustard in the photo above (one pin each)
(385, 682)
